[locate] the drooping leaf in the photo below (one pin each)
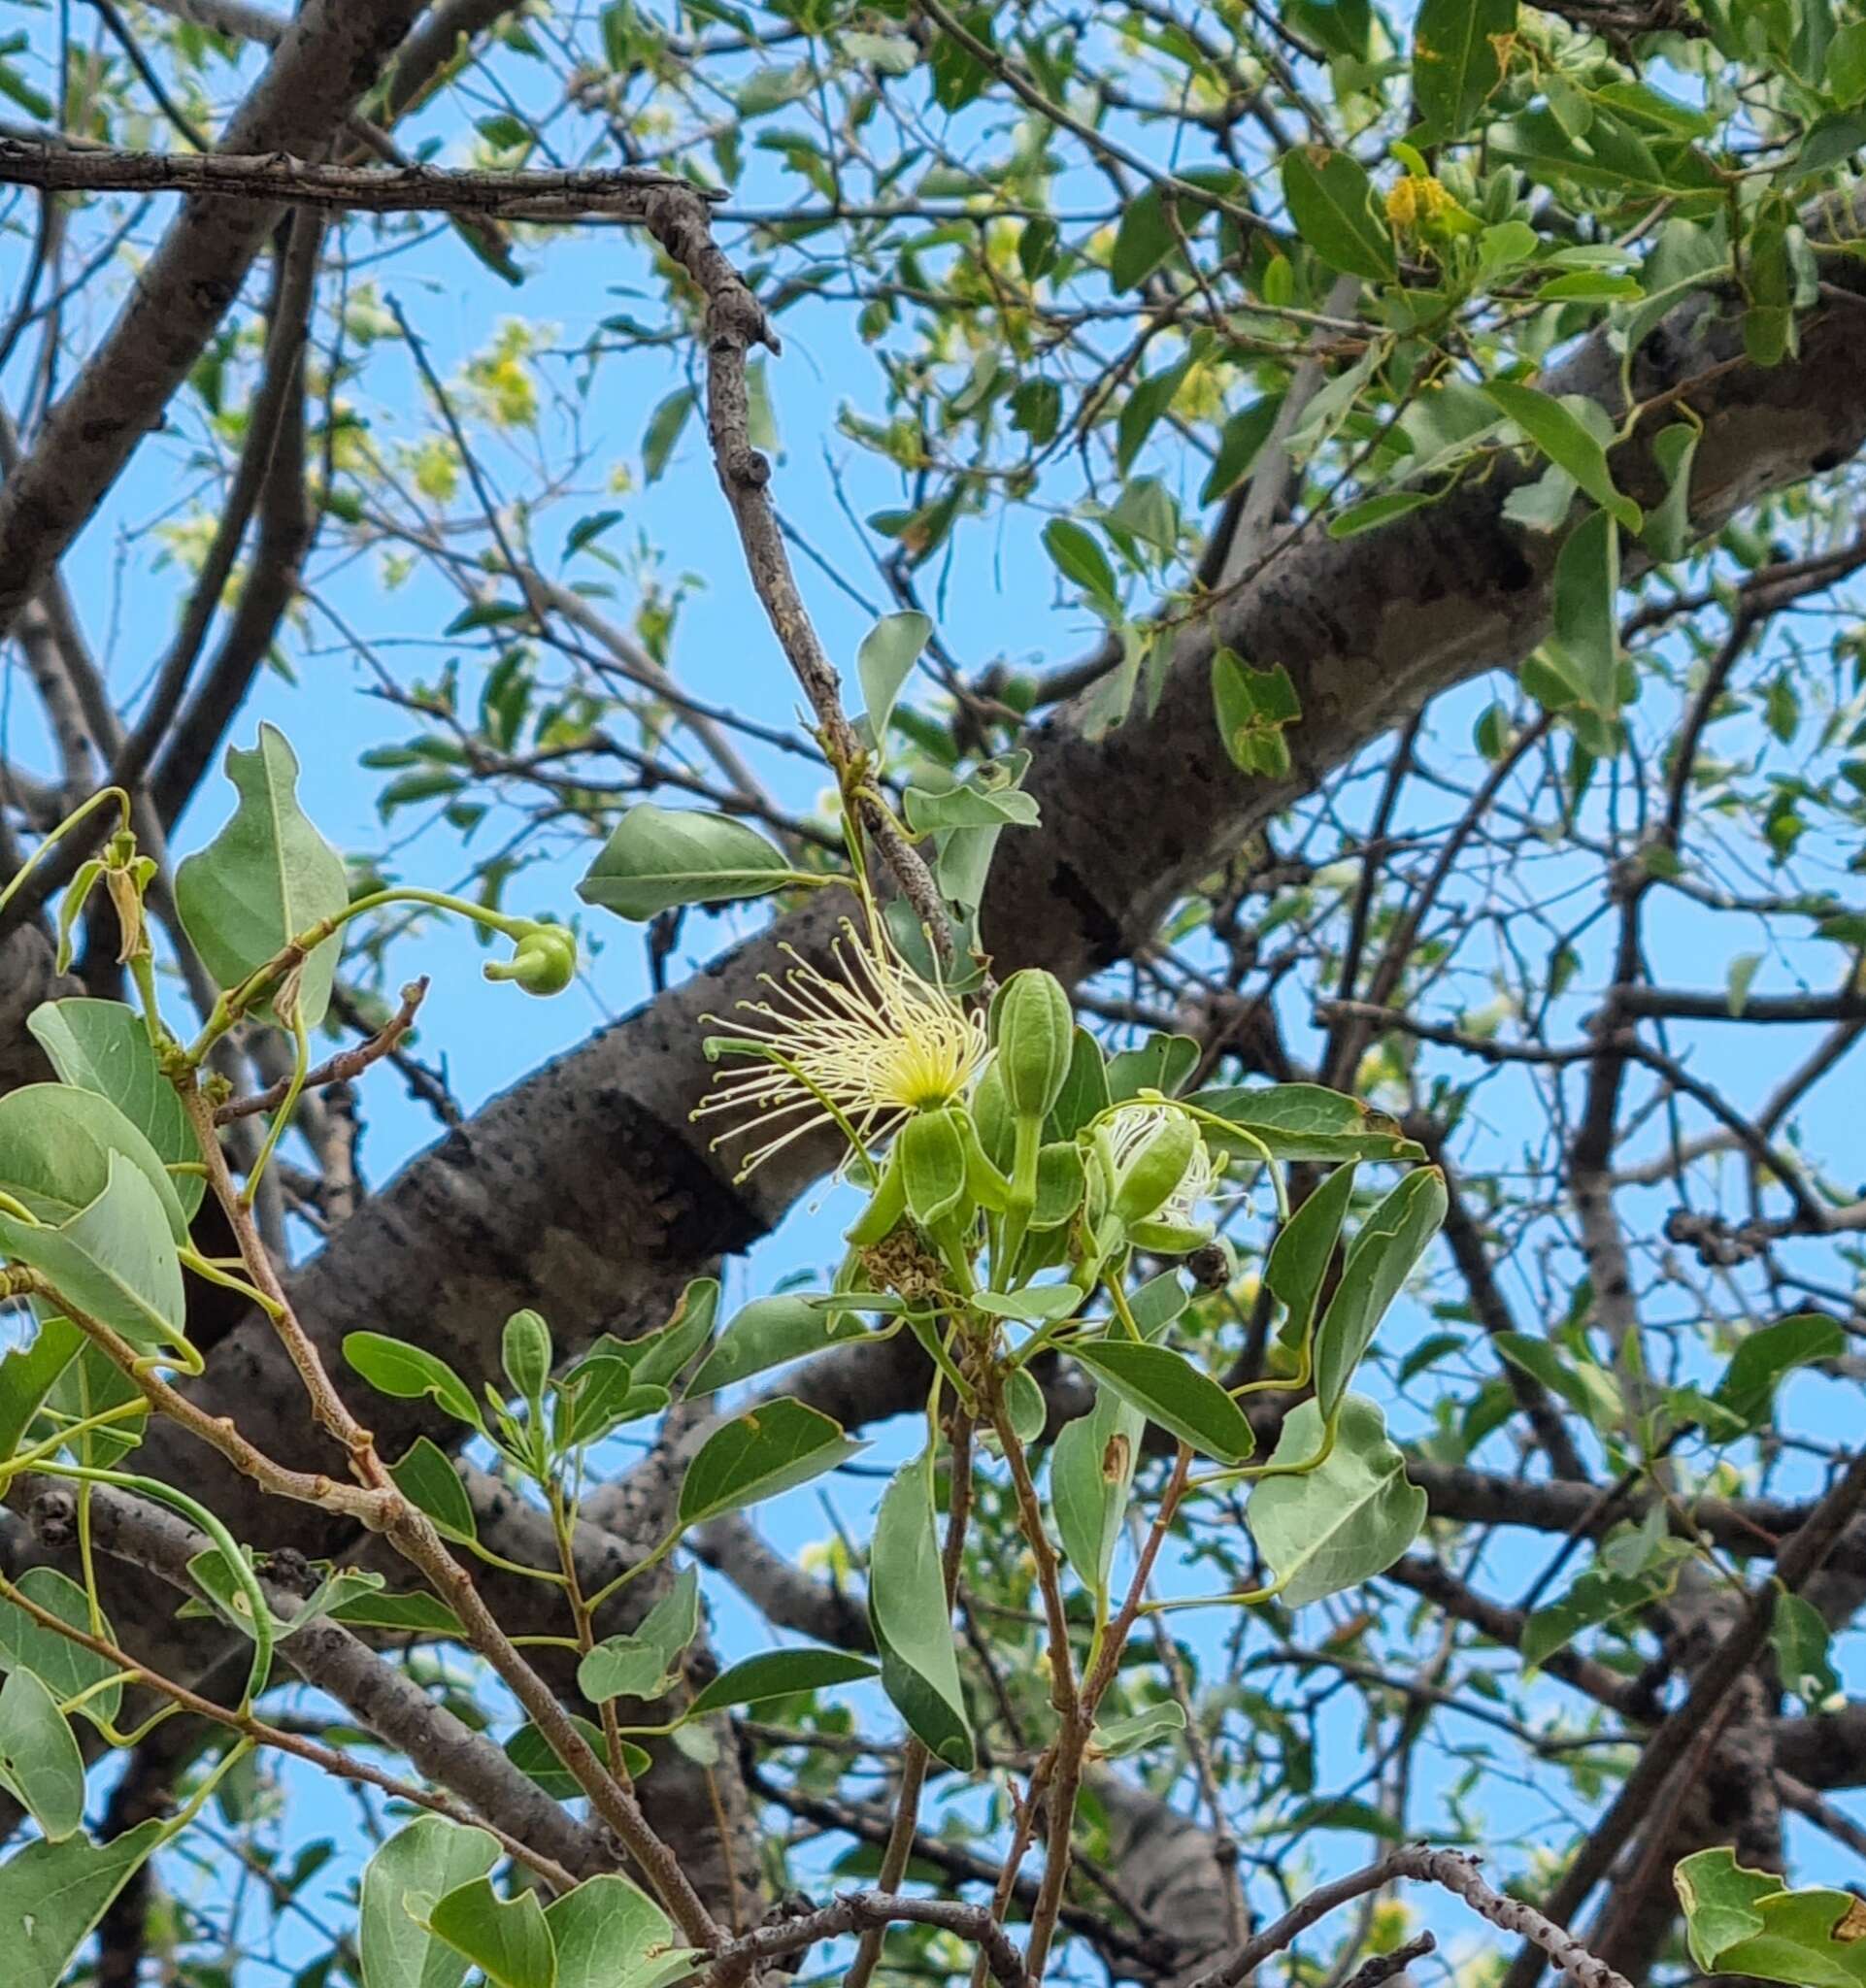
(884, 661)
(104, 1047)
(265, 879)
(771, 1448)
(664, 426)
(1378, 1260)
(659, 857)
(911, 1619)
(38, 1756)
(1747, 1387)
(27, 1375)
(1091, 1472)
(1584, 648)
(1346, 1520)
(1299, 1258)
(1566, 441)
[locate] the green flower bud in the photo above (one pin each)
(1060, 1184)
(525, 1351)
(1158, 1165)
(885, 1207)
(991, 1117)
(931, 1154)
(1036, 1036)
(544, 960)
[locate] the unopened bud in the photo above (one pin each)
(1147, 1181)
(543, 962)
(525, 1352)
(931, 1152)
(1036, 1034)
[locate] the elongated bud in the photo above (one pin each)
(931, 1154)
(543, 962)
(1149, 1178)
(991, 1117)
(1060, 1184)
(885, 1207)
(525, 1352)
(1036, 1034)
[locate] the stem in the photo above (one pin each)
(63, 829)
(914, 1763)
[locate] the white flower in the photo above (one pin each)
(866, 1045)
(1131, 1127)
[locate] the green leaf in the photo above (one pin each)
(38, 1756)
(610, 1935)
(414, 1613)
(426, 1478)
(1744, 1922)
(1034, 1304)
(1114, 1738)
(116, 1259)
(1142, 240)
(600, 1395)
(1144, 405)
(1379, 1259)
(1346, 1520)
(429, 1857)
(1331, 202)
(645, 1664)
(394, 1366)
(56, 1147)
(663, 431)
(655, 1359)
(1454, 60)
(772, 1448)
(1598, 1594)
(66, 1668)
(1299, 1258)
(1079, 558)
(768, 1333)
(103, 1046)
(1667, 533)
(1584, 648)
(267, 877)
(1373, 512)
(1748, 1386)
(1563, 437)
(1162, 1063)
(1167, 1388)
(506, 1939)
(1799, 1636)
(969, 803)
(913, 1623)
(659, 857)
(27, 1375)
(884, 661)
(1586, 1388)
(777, 1674)
(1084, 1090)
(1091, 1471)
(1253, 707)
(91, 1384)
(1301, 1122)
(530, 1753)
(52, 1894)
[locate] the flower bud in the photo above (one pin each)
(931, 1152)
(1036, 1034)
(544, 960)
(525, 1352)
(991, 1117)
(1147, 1181)
(1060, 1184)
